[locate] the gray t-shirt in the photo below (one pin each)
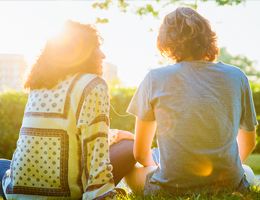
(199, 108)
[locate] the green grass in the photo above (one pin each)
(254, 194)
(254, 162)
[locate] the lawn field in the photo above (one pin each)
(254, 162)
(254, 194)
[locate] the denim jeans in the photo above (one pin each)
(4, 166)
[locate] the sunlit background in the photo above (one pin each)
(129, 40)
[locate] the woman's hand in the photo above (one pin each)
(116, 136)
(124, 135)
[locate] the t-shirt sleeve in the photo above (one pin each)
(248, 119)
(140, 105)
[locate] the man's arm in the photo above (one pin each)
(246, 143)
(144, 134)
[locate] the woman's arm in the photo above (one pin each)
(144, 134)
(97, 177)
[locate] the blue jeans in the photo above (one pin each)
(4, 166)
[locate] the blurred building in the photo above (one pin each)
(12, 69)
(13, 66)
(110, 73)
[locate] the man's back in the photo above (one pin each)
(198, 107)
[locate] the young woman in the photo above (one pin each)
(203, 112)
(63, 146)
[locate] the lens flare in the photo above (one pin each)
(201, 167)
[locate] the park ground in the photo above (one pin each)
(254, 194)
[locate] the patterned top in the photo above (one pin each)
(62, 150)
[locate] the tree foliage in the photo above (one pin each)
(153, 7)
(241, 61)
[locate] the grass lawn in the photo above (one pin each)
(254, 162)
(252, 195)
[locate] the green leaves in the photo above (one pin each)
(229, 2)
(103, 5)
(142, 8)
(240, 61)
(101, 20)
(123, 5)
(147, 9)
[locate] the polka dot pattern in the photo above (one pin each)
(36, 170)
(101, 169)
(48, 101)
(35, 153)
(95, 109)
(112, 136)
(95, 103)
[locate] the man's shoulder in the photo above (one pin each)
(166, 68)
(231, 69)
(164, 71)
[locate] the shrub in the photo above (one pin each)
(12, 107)
(11, 113)
(120, 99)
(255, 86)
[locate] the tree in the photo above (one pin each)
(240, 61)
(153, 7)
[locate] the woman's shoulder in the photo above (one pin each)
(85, 83)
(85, 80)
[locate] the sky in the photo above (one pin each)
(129, 40)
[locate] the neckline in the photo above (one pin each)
(199, 62)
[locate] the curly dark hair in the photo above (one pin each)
(69, 53)
(186, 35)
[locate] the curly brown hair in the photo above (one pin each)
(69, 53)
(186, 35)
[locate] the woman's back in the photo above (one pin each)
(48, 158)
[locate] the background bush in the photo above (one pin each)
(120, 99)
(256, 95)
(12, 107)
(11, 113)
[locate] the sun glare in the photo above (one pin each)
(54, 31)
(201, 167)
(128, 44)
